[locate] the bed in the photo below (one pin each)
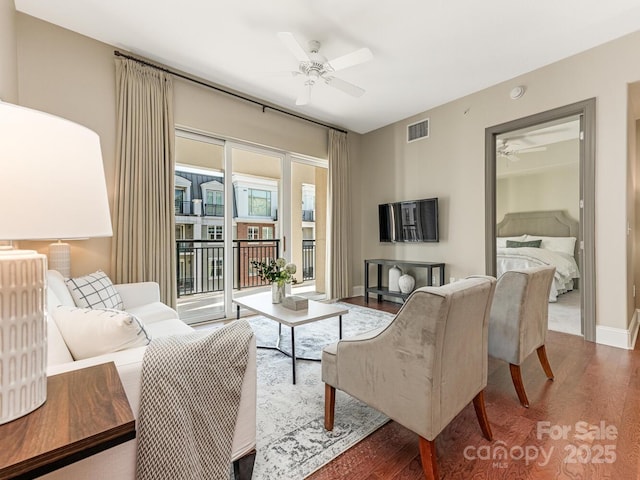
(529, 239)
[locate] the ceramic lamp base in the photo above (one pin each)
(23, 348)
(60, 258)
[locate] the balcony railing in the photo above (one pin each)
(182, 208)
(308, 259)
(308, 215)
(213, 210)
(200, 264)
(208, 209)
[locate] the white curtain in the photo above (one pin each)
(339, 263)
(143, 247)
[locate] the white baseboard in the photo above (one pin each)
(358, 291)
(619, 337)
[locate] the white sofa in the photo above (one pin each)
(142, 300)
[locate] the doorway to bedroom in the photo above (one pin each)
(540, 191)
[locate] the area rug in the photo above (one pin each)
(291, 440)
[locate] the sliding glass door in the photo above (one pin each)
(272, 204)
(200, 227)
(258, 230)
(308, 218)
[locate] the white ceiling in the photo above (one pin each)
(426, 52)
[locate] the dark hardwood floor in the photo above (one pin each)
(583, 425)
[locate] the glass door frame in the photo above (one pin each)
(284, 198)
(284, 208)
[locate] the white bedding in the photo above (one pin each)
(525, 257)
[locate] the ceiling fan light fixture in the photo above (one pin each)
(314, 66)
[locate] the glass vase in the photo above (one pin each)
(277, 292)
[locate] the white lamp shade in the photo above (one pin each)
(53, 179)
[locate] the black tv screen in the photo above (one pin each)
(412, 221)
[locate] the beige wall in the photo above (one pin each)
(555, 189)
(8, 56)
(65, 74)
(450, 165)
(545, 180)
(73, 76)
(634, 197)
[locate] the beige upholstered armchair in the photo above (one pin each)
(519, 321)
(424, 367)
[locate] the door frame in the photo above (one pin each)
(587, 111)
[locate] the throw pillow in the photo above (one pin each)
(94, 291)
(89, 332)
(530, 243)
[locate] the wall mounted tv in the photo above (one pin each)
(413, 221)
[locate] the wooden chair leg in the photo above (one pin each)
(516, 376)
(481, 413)
(428, 458)
(544, 361)
(329, 406)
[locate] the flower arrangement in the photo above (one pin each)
(275, 271)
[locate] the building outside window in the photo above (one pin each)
(215, 232)
(179, 202)
(308, 202)
(215, 268)
(214, 203)
(259, 203)
(253, 233)
(267, 233)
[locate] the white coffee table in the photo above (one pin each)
(260, 303)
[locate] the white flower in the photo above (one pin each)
(291, 268)
(281, 262)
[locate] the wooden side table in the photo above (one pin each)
(86, 412)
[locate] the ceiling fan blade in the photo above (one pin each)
(294, 47)
(305, 94)
(350, 59)
(346, 87)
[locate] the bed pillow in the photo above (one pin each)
(94, 291)
(529, 243)
(501, 242)
(556, 244)
(89, 332)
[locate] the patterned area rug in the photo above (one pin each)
(291, 440)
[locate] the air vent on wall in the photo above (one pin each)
(418, 130)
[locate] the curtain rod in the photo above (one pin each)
(222, 90)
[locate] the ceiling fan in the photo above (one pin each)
(314, 67)
(511, 150)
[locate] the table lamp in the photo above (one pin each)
(53, 187)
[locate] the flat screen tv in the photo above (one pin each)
(413, 221)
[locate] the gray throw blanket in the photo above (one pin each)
(189, 401)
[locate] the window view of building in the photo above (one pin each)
(255, 227)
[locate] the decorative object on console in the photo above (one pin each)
(406, 283)
(55, 168)
(295, 302)
(277, 273)
(394, 276)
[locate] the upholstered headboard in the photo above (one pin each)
(548, 223)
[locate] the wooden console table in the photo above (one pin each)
(86, 412)
(379, 290)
